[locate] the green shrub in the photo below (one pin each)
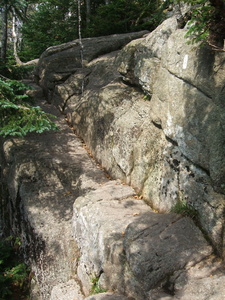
(13, 273)
(206, 21)
(17, 116)
(12, 71)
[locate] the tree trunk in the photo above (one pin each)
(15, 41)
(4, 33)
(88, 11)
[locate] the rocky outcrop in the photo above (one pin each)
(151, 114)
(39, 185)
(57, 63)
(186, 94)
(130, 248)
(116, 241)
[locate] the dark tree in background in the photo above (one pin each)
(51, 22)
(9, 9)
(217, 24)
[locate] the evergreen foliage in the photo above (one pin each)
(49, 23)
(207, 21)
(15, 72)
(13, 272)
(54, 22)
(17, 116)
(123, 16)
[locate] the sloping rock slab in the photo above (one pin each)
(107, 296)
(170, 149)
(157, 245)
(41, 177)
(204, 288)
(123, 244)
(128, 247)
(57, 63)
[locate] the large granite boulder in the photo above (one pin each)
(186, 90)
(152, 114)
(128, 247)
(57, 63)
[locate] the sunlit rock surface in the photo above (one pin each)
(153, 115)
(149, 108)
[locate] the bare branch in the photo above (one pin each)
(216, 48)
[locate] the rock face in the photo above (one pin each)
(128, 247)
(116, 242)
(57, 63)
(39, 185)
(152, 114)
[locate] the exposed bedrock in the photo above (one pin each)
(153, 115)
(57, 63)
(41, 177)
(82, 232)
(150, 109)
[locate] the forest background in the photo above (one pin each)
(28, 27)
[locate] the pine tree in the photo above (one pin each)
(17, 116)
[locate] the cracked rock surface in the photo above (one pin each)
(152, 115)
(81, 231)
(130, 248)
